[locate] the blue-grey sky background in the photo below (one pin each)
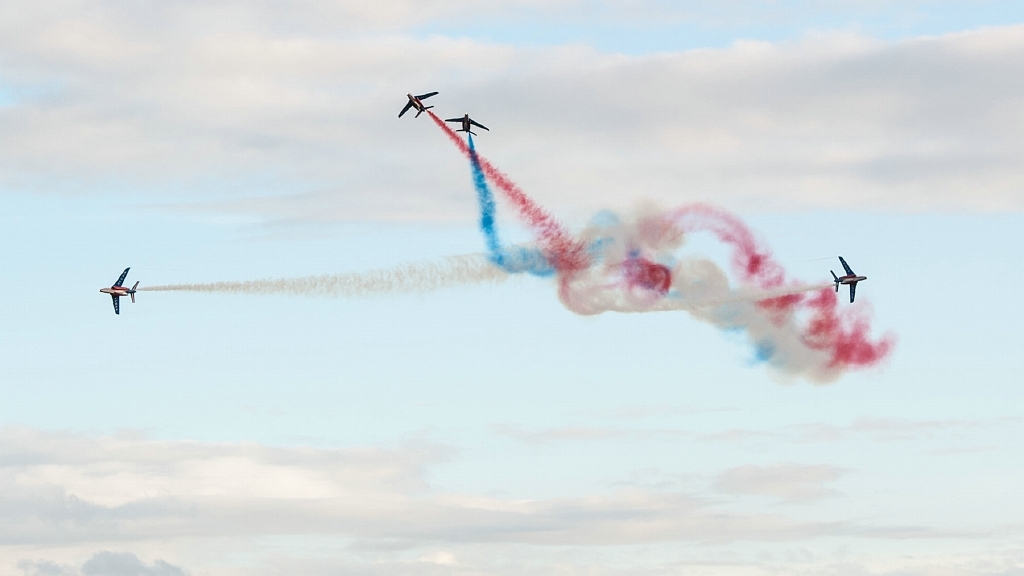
(485, 429)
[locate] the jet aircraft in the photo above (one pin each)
(417, 103)
(466, 121)
(118, 290)
(849, 278)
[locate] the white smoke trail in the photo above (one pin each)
(409, 278)
(699, 287)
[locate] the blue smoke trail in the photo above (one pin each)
(511, 259)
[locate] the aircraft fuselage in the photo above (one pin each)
(416, 103)
(116, 291)
(851, 279)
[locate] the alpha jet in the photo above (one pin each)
(466, 121)
(849, 279)
(417, 103)
(118, 290)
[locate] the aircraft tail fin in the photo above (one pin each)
(836, 278)
(132, 291)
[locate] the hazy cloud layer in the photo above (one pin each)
(790, 482)
(73, 504)
(64, 488)
(103, 563)
(290, 113)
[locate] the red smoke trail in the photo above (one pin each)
(565, 254)
(846, 336)
(754, 263)
(649, 275)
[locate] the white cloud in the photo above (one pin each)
(263, 102)
(104, 563)
(71, 504)
(789, 482)
(66, 488)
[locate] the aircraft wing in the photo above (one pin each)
(427, 95)
(853, 291)
(846, 267)
(479, 125)
(454, 120)
(117, 303)
(124, 275)
(406, 109)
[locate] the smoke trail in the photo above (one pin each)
(795, 327)
(511, 259)
(561, 250)
(410, 278)
(633, 266)
(845, 336)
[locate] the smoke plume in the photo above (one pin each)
(409, 278)
(634, 265)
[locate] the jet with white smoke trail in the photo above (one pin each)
(118, 289)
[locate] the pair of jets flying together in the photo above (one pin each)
(417, 103)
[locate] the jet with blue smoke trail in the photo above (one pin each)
(466, 123)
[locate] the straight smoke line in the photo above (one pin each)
(406, 279)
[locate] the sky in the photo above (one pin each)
(486, 428)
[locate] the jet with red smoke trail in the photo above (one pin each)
(849, 279)
(417, 103)
(118, 290)
(466, 122)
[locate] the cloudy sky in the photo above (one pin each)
(485, 429)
